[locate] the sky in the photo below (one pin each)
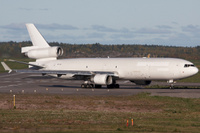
(157, 22)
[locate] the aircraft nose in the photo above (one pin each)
(190, 71)
(195, 70)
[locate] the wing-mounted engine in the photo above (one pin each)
(102, 79)
(141, 82)
(41, 53)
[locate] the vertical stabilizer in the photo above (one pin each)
(41, 51)
(36, 38)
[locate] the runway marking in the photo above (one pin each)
(17, 81)
(10, 85)
(35, 75)
(6, 81)
(29, 82)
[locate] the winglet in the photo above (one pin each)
(6, 67)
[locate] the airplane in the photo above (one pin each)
(96, 72)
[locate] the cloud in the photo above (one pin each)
(191, 28)
(192, 31)
(25, 9)
(18, 31)
(164, 27)
(34, 9)
(101, 28)
(128, 35)
(161, 34)
(14, 32)
(43, 9)
(96, 35)
(55, 26)
(14, 26)
(153, 31)
(175, 23)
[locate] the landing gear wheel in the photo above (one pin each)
(171, 82)
(116, 85)
(91, 85)
(113, 86)
(171, 86)
(98, 86)
(87, 85)
(82, 85)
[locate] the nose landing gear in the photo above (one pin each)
(171, 82)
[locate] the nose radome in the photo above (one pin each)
(196, 70)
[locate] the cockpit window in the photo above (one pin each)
(189, 65)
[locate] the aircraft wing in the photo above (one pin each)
(57, 72)
(64, 72)
(35, 66)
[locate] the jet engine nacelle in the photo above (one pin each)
(103, 79)
(45, 52)
(141, 82)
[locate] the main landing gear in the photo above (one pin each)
(113, 86)
(88, 84)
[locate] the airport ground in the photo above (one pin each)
(45, 104)
(35, 83)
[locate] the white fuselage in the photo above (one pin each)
(129, 68)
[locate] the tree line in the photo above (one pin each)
(13, 50)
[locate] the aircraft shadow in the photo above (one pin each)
(66, 86)
(59, 86)
(38, 77)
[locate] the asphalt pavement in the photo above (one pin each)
(34, 83)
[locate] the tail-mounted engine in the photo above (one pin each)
(49, 52)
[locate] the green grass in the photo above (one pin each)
(103, 114)
(14, 65)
